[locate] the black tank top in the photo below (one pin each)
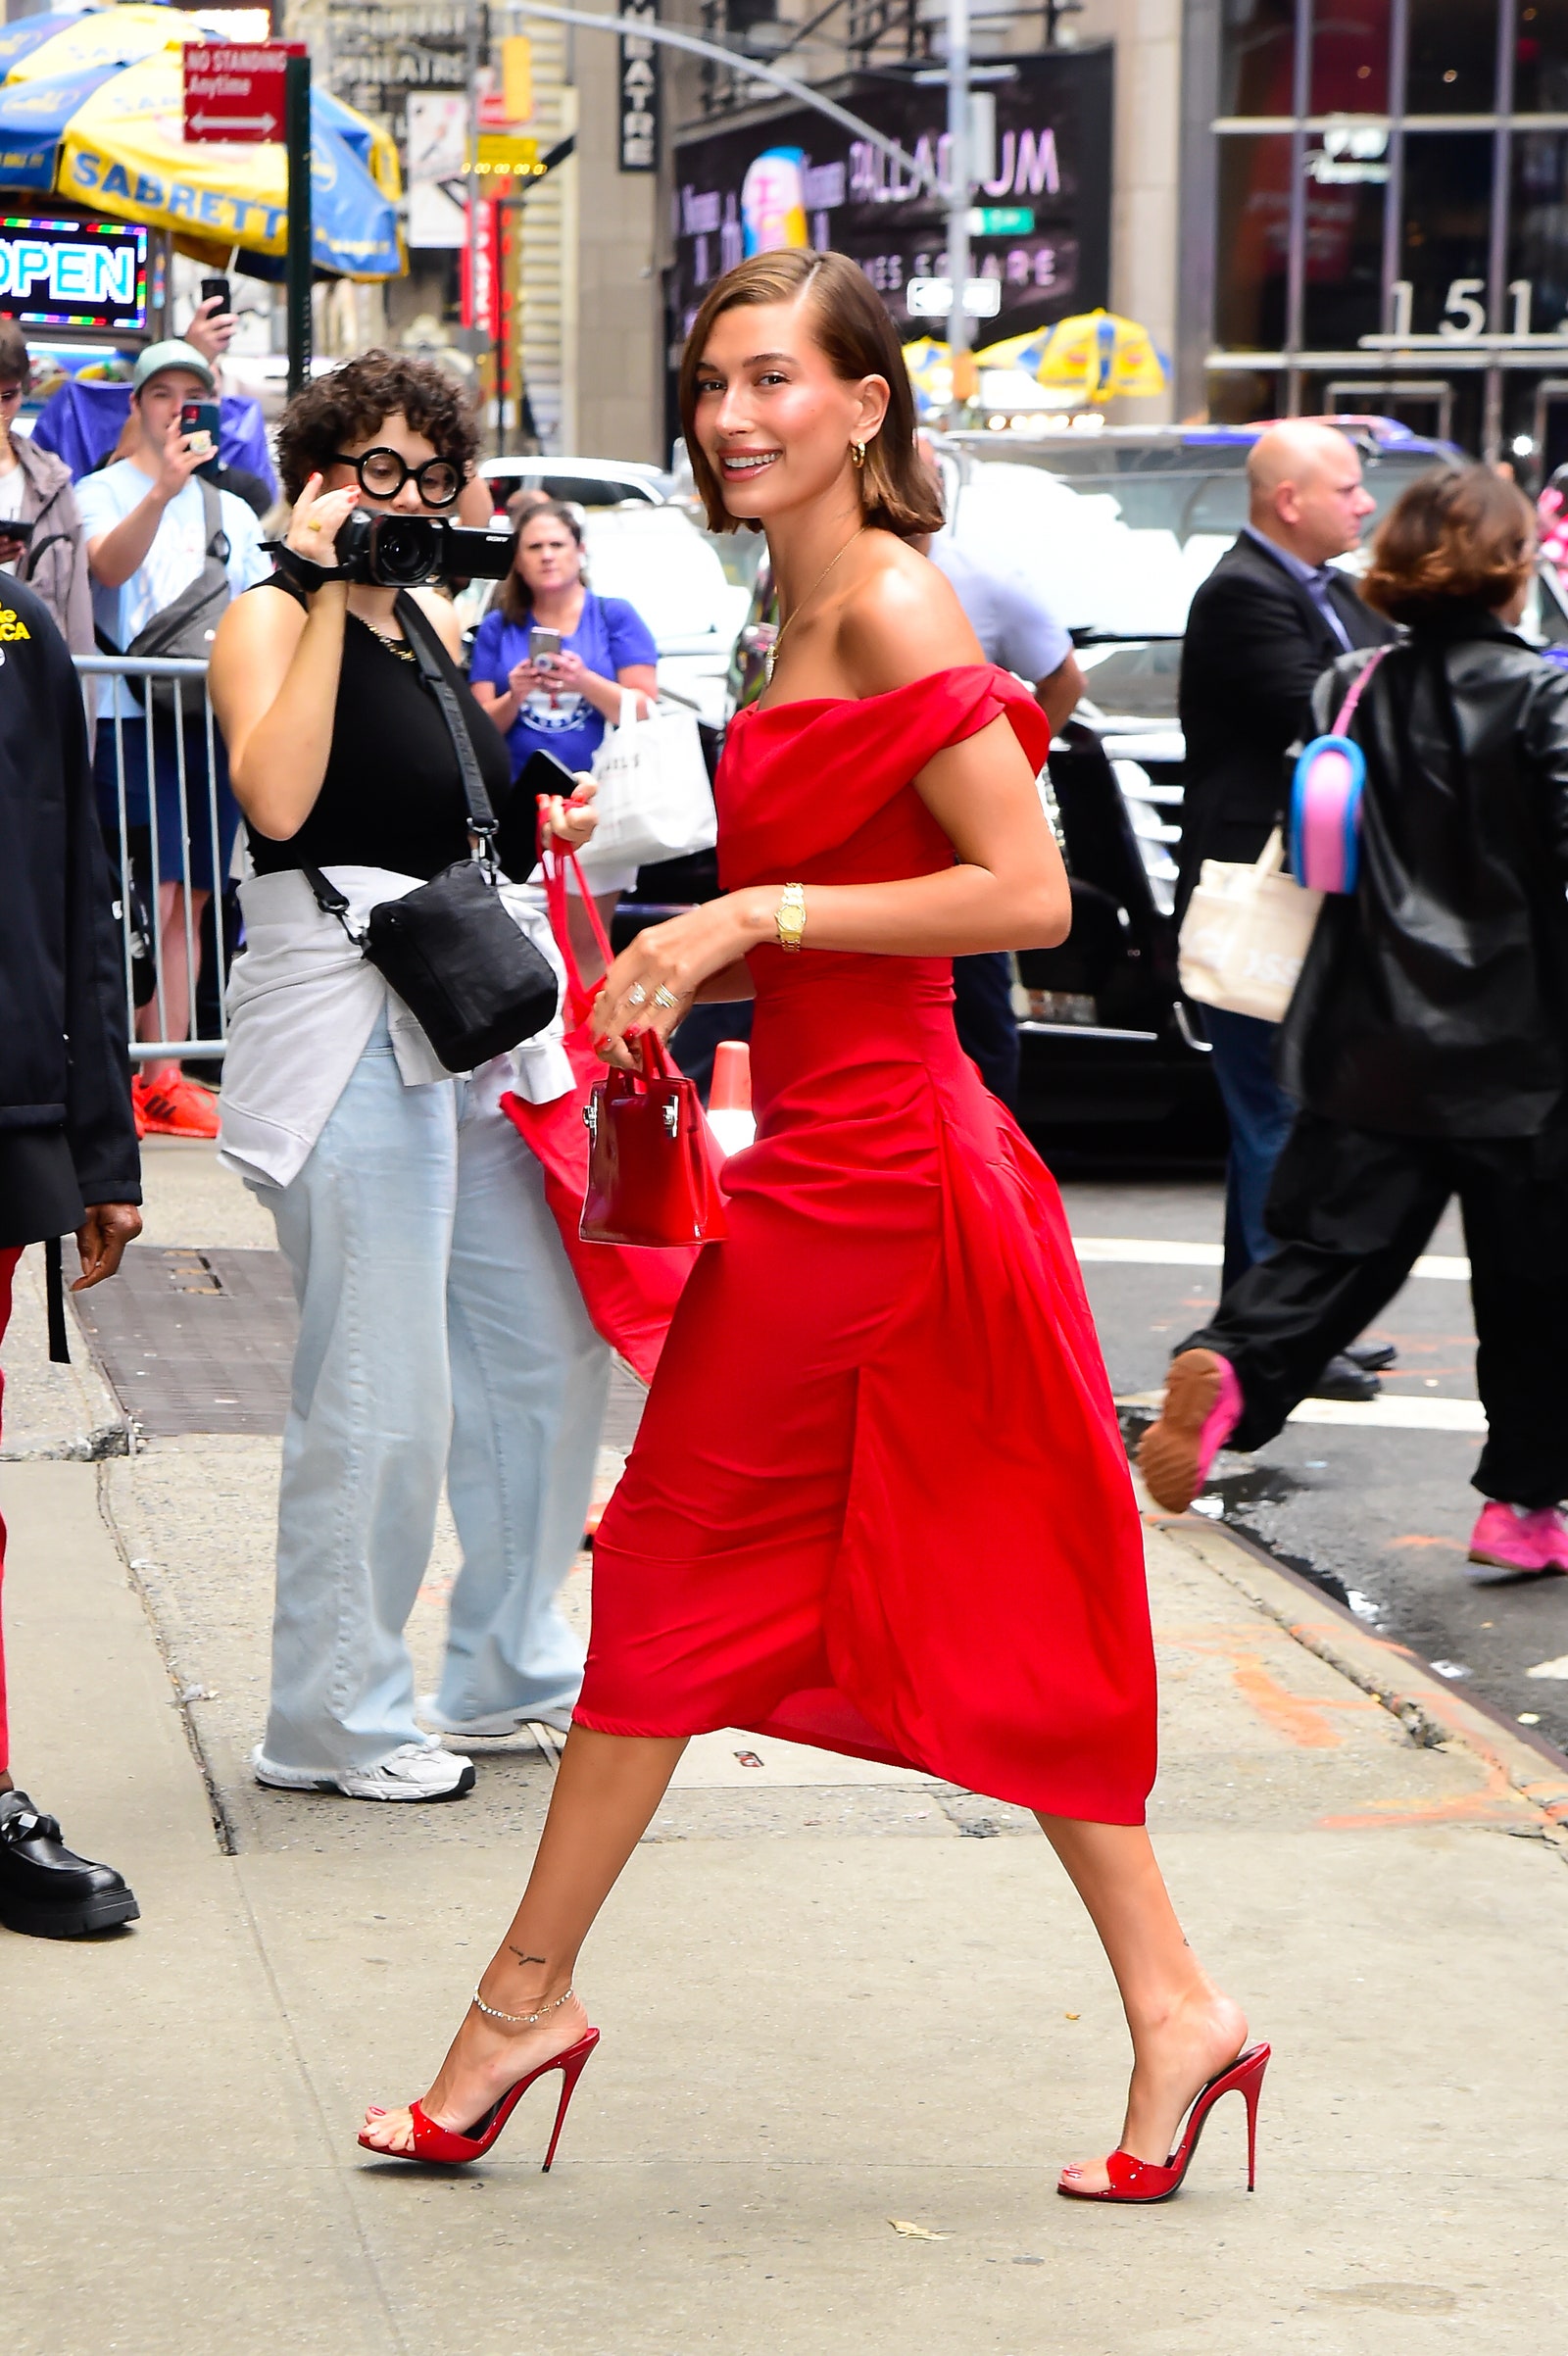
(392, 795)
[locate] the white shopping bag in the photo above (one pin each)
(1246, 935)
(654, 800)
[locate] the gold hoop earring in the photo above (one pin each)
(858, 454)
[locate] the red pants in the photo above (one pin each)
(8, 1269)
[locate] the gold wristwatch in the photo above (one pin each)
(789, 917)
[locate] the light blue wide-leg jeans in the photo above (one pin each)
(430, 1278)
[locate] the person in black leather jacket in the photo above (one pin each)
(1427, 1043)
(68, 1142)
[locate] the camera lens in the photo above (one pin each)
(404, 550)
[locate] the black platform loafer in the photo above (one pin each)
(46, 1892)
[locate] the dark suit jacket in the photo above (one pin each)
(1255, 646)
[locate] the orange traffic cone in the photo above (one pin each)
(729, 1098)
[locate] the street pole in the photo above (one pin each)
(959, 344)
(471, 61)
(297, 281)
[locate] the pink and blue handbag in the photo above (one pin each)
(1326, 800)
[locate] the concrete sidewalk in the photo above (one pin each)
(830, 1997)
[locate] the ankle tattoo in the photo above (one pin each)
(521, 1957)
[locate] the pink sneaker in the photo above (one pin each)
(1203, 1407)
(1507, 1544)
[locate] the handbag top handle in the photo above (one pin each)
(1347, 710)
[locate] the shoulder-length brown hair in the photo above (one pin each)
(853, 331)
(1460, 535)
(513, 595)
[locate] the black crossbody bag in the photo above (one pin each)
(476, 984)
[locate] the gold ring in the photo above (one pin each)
(636, 996)
(666, 998)
(313, 523)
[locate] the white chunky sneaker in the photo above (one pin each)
(415, 1771)
(498, 1725)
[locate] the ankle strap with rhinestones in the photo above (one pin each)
(523, 2020)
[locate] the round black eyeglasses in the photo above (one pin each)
(384, 472)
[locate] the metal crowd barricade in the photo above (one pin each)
(145, 862)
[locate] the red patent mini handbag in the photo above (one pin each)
(653, 1173)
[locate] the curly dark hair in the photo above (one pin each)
(342, 408)
(1457, 536)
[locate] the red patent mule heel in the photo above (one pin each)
(447, 2147)
(1147, 2180)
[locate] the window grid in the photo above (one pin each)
(1495, 349)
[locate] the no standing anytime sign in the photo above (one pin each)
(234, 93)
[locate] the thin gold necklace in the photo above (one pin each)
(394, 646)
(771, 657)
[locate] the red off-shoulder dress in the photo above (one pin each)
(879, 1500)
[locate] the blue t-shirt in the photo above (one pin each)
(610, 637)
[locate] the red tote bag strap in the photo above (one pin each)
(556, 864)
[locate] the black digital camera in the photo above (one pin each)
(398, 552)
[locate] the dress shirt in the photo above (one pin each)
(1314, 579)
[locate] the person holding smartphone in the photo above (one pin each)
(150, 534)
(551, 660)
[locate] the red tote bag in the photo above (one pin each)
(629, 1295)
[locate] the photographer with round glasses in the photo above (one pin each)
(441, 1331)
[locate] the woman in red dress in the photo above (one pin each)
(879, 1500)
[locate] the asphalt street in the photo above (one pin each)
(1373, 1503)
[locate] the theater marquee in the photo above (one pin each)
(1041, 226)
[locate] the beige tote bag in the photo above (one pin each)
(1246, 935)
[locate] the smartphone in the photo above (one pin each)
(218, 289)
(12, 527)
(198, 417)
(543, 647)
(518, 832)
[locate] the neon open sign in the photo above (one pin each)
(73, 273)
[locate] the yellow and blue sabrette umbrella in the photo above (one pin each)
(1097, 354)
(92, 109)
(930, 367)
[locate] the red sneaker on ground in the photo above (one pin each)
(1506, 1544)
(168, 1105)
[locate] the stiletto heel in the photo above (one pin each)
(1251, 2088)
(573, 2065)
(1134, 2180)
(447, 2147)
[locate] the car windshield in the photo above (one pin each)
(661, 564)
(1116, 539)
(1122, 549)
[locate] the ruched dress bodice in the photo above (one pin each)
(879, 1498)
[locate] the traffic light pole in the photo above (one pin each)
(959, 110)
(297, 282)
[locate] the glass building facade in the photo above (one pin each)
(1389, 191)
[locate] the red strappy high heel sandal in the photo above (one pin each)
(1146, 2180)
(447, 2147)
